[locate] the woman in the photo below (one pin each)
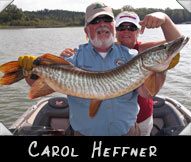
(128, 27)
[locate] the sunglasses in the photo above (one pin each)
(106, 19)
(128, 27)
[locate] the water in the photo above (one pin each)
(16, 42)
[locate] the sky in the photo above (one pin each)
(80, 5)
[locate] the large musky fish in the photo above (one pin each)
(56, 74)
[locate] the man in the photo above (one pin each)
(116, 116)
(128, 29)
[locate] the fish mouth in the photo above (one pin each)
(175, 46)
(185, 41)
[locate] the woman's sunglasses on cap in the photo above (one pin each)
(106, 19)
(131, 27)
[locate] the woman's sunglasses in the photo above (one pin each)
(106, 19)
(128, 27)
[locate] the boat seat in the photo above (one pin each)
(54, 114)
(158, 124)
(167, 119)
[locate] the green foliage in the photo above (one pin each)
(12, 16)
(12, 13)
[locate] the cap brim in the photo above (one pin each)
(98, 14)
(122, 21)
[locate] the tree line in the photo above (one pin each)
(13, 16)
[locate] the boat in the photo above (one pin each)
(170, 117)
(50, 117)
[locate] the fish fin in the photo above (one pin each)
(50, 59)
(94, 106)
(150, 84)
(174, 61)
(9, 67)
(12, 73)
(39, 89)
(153, 84)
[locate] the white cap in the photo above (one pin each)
(128, 17)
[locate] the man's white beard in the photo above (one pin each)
(104, 42)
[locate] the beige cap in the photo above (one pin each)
(128, 17)
(96, 9)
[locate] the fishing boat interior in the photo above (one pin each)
(50, 117)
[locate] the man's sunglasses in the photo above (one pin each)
(128, 27)
(106, 19)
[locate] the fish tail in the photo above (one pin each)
(12, 73)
